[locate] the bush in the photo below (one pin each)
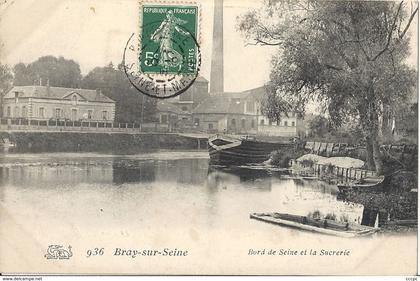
(281, 158)
(307, 163)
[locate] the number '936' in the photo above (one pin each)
(95, 252)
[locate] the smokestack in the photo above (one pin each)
(216, 74)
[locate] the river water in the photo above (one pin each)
(175, 200)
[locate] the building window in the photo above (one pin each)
(164, 119)
(17, 111)
(74, 114)
(105, 115)
(74, 99)
(285, 124)
(90, 114)
(16, 97)
(262, 122)
(210, 126)
(24, 111)
(184, 108)
(197, 121)
(293, 123)
(57, 113)
(252, 123)
(243, 123)
(250, 106)
(9, 112)
(270, 122)
(233, 122)
(41, 112)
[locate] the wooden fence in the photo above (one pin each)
(345, 174)
(8, 124)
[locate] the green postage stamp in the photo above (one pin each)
(168, 39)
(166, 59)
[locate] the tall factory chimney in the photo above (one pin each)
(216, 74)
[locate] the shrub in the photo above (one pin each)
(307, 163)
(281, 158)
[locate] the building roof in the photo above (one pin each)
(57, 93)
(256, 93)
(214, 104)
(228, 102)
(165, 106)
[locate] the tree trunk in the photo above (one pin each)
(369, 154)
(377, 158)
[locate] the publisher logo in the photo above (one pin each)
(58, 252)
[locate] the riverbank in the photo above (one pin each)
(99, 142)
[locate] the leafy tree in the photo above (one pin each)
(6, 78)
(318, 126)
(59, 72)
(347, 55)
(131, 106)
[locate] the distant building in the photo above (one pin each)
(178, 111)
(195, 94)
(170, 114)
(45, 102)
(239, 113)
(224, 113)
(234, 113)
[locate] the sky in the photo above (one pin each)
(94, 33)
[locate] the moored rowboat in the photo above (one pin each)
(365, 184)
(227, 150)
(324, 226)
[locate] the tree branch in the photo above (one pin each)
(261, 42)
(389, 34)
(409, 23)
(329, 66)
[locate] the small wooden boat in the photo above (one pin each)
(365, 184)
(229, 150)
(324, 226)
(408, 222)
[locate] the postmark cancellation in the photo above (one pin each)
(163, 59)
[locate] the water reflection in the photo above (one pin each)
(127, 172)
(162, 180)
(223, 177)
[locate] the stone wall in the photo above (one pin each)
(99, 142)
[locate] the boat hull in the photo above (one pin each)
(369, 185)
(233, 151)
(323, 226)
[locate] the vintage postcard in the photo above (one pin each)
(208, 137)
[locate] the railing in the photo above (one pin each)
(341, 173)
(84, 126)
(345, 174)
